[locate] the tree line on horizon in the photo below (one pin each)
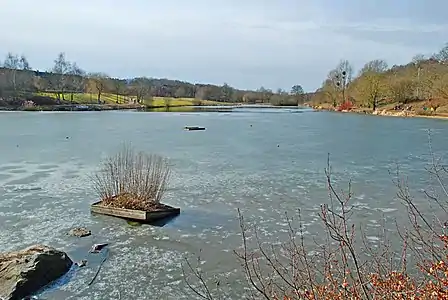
(19, 82)
(424, 79)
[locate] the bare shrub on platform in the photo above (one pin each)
(345, 264)
(132, 180)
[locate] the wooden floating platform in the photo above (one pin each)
(194, 128)
(135, 215)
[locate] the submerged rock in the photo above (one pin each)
(80, 232)
(24, 272)
(134, 223)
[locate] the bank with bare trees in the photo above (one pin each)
(419, 87)
(67, 83)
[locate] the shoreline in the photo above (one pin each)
(87, 107)
(78, 107)
(111, 107)
(387, 113)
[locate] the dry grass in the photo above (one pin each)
(130, 201)
(132, 180)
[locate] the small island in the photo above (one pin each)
(131, 185)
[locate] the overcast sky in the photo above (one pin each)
(245, 43)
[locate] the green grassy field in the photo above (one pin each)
(86, 98)
(174, 109)
(163, 101)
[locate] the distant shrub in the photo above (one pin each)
(32, 108)
(42, 100)
(423, 112)
(347, 105)
(197, 102)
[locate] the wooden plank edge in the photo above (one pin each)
(168, 208)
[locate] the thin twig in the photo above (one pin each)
(106, 252)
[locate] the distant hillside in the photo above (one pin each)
(421, 83)
(67, 82)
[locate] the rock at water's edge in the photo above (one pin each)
(24, 272)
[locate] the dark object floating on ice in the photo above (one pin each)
(82, 263)
(96, 248)
(194, 128)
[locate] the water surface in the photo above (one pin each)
(265, 162)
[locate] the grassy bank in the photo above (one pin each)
(87, 98)
(46, 101)
(90, 107)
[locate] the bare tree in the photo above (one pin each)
(343, 76)
(334, 271)
(77, 77)
(141, 87)
(371, 87)
(14, 65)
(441, 86)
(167, 102)
(376, 65)
(338, 80)
(227, 93)
(417, 59)
(180, 92)
(77, 80)
(298, 93)
(119, 88)
(100, 81)
(332, 85)
(61, 75)
(201, 92)
(401, 90)
(265, 94)
(329, 89)
(3, 82)
(24, 64)
(343, 263)
(442, 55)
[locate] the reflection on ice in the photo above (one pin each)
(45, 189)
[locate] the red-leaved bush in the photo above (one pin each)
(346, 105)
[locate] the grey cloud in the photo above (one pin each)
(420, 42)
(244, 43)
(429, 12)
